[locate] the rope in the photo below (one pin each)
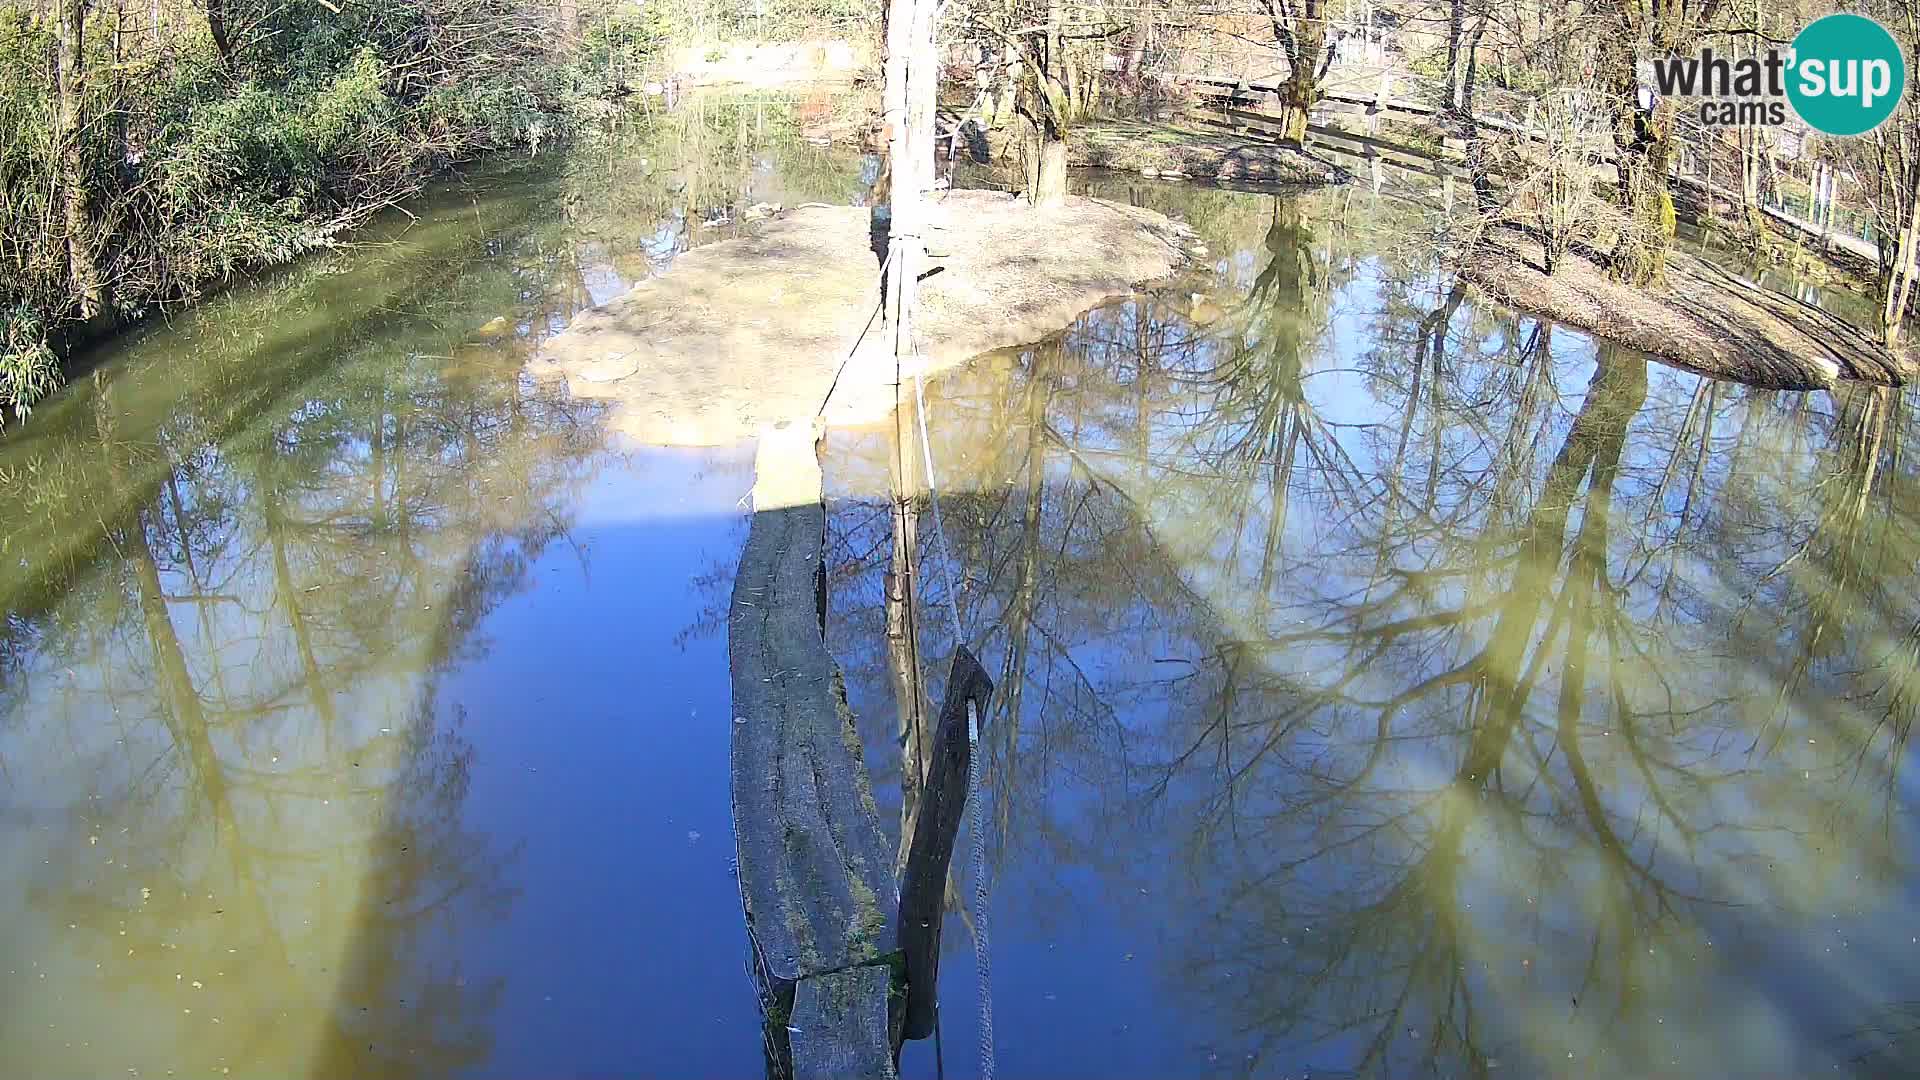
(982, 956)
(879, 301)
(933, 492)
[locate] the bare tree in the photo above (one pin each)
(1888, 161)
(1300, 33)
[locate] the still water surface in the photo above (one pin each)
(1389, 684)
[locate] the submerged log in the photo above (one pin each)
(943, 800)
(1702, 318)
(814, 867)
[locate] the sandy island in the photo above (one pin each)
(748, 334)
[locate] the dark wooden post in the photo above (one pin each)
(943, 800)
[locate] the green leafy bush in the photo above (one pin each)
(194, 167)
(28, 369)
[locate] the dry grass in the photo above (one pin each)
(1703, 319)
(749, 333)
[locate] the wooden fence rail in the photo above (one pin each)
(1240, 104)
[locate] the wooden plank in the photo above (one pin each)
(943, 801)
(815, 870)
(838, 1029)
(1405, 106)
(1359, 146)
(1353, 144)
(1348, 106)
(1403, 157)
(813, 861)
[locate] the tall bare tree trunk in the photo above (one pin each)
(1471, 68)
(1047, 154)
(1302, 31)
(1456, 29)
(1076, 89)
(1046, 161)
(1009, 85)
(1136, 49)
(1644, 195)
(82, 269)
(1644, 137)
(1048, 109)
(1900, 281)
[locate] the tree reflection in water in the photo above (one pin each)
(237, 805)
(1463, 697)
(251, 570)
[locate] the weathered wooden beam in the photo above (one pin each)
(839, 1026)
(815, 870)
(943, 801)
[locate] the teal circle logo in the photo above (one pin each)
(1847, 74)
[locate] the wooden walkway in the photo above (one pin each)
(816, 873)
(847, 961)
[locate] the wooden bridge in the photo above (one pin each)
(845, 956)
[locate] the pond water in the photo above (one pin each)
(1388, 683)
(359, 711)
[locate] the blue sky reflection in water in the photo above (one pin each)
(1398, 692)
(1404, 687)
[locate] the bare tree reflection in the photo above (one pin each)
(1553, 667)
(227, 690)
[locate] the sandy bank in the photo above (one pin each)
(749, 333)
(1703, 319)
